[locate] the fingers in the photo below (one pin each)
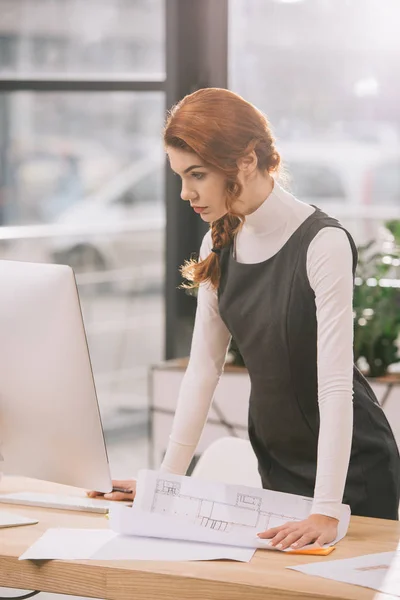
(290, 534)
(280, 538)
(325, 538)
(303, 540)
(317, 529)
(118, 496)
(111, 495)
(297, 538)
(129, 485)
(123, 483)
(270, 533)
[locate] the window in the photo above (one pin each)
(329, 93)
(70, 36)
(82, 181)
(62, 148)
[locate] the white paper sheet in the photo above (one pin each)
(379, 572)
(68, 544)
(141, 548)
(104, 544)
(8, 519)
(209, 511)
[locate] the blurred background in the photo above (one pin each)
(84, 86)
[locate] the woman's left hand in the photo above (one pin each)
(318, 529)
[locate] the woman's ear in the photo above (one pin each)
(247, 164)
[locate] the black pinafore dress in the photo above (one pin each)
(269, 308)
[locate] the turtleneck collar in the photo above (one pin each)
(271, 215)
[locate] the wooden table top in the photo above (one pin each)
(264, 577)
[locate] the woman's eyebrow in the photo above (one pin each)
(188, 169)
(193, 167)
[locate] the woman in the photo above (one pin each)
(277, 275)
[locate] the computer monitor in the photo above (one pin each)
(50, 425)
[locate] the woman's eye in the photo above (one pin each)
(198, 175)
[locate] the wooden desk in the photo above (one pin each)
(264, 577)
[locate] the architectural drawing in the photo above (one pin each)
(190, 508)
(244, 510)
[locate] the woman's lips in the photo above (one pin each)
(199, 209)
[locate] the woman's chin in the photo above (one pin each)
(207, 217)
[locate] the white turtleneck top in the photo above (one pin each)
(329, 270)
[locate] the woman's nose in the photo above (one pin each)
(187, 194)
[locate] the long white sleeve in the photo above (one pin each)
(207, 356)
(329, 269)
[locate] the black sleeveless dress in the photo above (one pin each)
(269, 308)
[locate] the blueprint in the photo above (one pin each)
(218, 506)
(174, 506)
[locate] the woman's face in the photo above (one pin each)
(202, 186)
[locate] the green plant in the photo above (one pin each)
(377, 303)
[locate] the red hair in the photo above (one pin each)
(220, 127)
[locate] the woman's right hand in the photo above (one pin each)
(127, 484)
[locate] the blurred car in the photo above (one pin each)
(123, 229)
(113, 237)
(339, 175)
(358, 183)
(51, 174)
